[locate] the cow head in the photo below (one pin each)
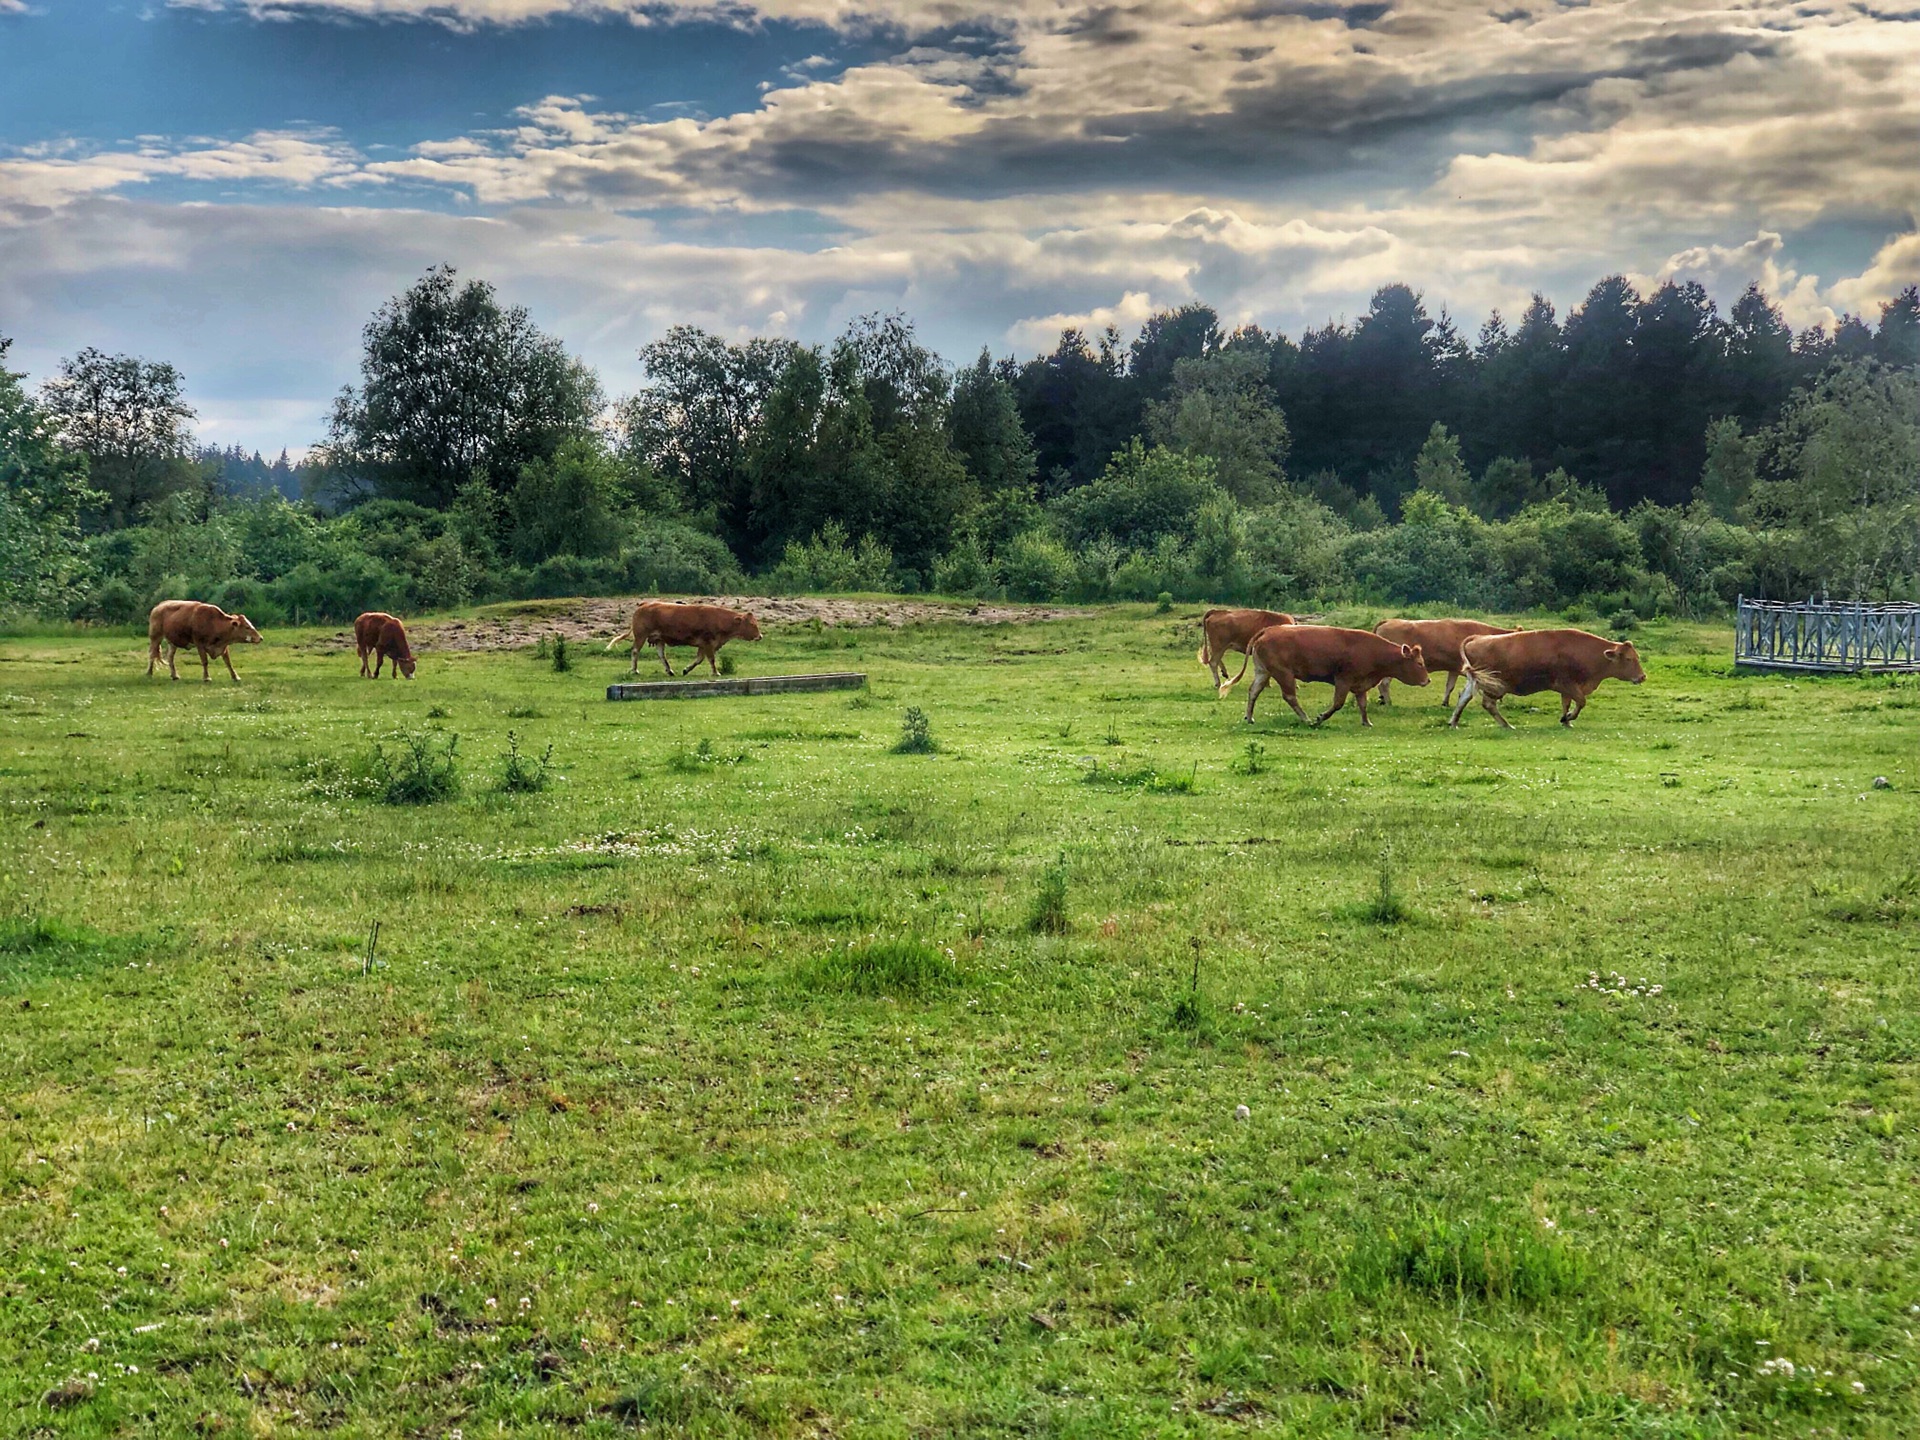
(241, 631)
(1623, 663)
(1411, 667)
(750, 628)
(405, 664)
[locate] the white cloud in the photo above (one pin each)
(41, 181)
(1087, 167)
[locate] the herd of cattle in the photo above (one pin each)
(1495, 661)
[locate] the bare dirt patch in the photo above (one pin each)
(519, 623)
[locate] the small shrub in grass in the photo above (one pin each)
(1384, 907)
(727, 666)
(1622, 622)
(418, 770)
(562, 660)
(520, 774)
(916, 733)
(1456, 1261)
(1049, 914)
(894, 968)
(1165, 603)
(439, 712)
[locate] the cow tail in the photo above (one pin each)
(1245, 660)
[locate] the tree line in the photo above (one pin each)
(1640, 456)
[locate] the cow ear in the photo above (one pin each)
(1612, 652)
(1406, 652)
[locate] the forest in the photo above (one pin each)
(1642, 455)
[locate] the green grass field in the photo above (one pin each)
(752, 1079)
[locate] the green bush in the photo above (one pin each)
(1036, 566)
(1437, 552)
(1049, 913)
(667, 558)
(827, 561)
(1143, 496)
(965, 570)
(520, 774)
(418, 771)
(916, 733)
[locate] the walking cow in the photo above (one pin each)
(1571, 663)
(1352, 661)
(180, 624)
(1229, 630)
(672, 622)
(1439, 642)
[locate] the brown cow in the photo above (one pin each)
(382, 636)
(1227, 630)
(1352, 661)
(675, 622)
(1571, 663)
(1439, 642)
(207, 628)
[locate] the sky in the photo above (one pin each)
(236, 185)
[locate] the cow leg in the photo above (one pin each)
(1453, 678)
(227, 655)
(1360, 699)
(172, 651)
(206, 672)
(663, 657)
(363, 660)
(1340, 693)
(713, 663)
(1253, 690)
(1491, 704)
(1466, 698)
(153, 657)
(1290, 692)
(1383, 697)
(1571, 704)
(379, 659)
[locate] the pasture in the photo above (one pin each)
(753, 1079)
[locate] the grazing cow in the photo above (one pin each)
(1439, 642)
(1571, 663)
(382, 636)
(1352, 661)
(1227, 630)
(179, 624)
(674, 622)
